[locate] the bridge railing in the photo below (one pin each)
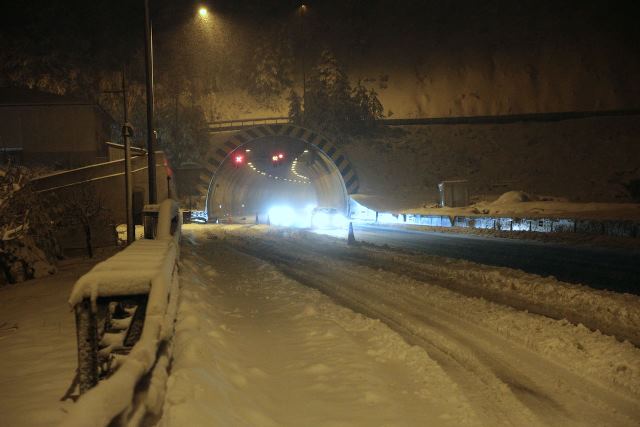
(223, 125)
(125, 312)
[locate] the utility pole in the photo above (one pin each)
(127, 133)
(151, 133)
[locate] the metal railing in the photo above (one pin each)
(125, 310)
(223, 125)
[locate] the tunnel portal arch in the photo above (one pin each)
(217, 154)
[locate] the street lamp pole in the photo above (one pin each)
(127, 131)
(151, 133)
(303, 9)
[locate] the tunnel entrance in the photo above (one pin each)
(276, 167)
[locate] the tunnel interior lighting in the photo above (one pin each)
(279, 178)
(294, 171)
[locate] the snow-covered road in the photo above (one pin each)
(289, 328)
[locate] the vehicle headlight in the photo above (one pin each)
(282, 215)
(321, 220)
(339, 221)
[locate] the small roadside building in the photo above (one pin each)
(454, 193)
(57, 131)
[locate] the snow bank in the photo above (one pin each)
(513, 197)
(612, 313)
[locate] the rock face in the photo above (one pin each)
(591, 159)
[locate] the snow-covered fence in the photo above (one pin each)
(617, 228)
(433, 220)
(140, 282)
(610, 228)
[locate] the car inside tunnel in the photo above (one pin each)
(276, 179)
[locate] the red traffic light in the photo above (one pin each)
(281, 156)
(239, 159)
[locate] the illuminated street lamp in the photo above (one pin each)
(151, 133)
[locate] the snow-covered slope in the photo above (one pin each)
(582, 160)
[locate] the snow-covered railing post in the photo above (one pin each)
(125, 309)
(87, 337)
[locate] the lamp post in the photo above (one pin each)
(127, 132)
(151, 133)
(303, 10)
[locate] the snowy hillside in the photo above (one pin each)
(581, 160)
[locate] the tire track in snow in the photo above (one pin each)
(489, 396)
(516, 395)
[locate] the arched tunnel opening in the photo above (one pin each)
(275, 173)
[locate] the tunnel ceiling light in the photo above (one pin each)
(248, 150)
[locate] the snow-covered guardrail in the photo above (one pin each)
(125, 311)
(616, 228)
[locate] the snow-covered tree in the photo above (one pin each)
(295, 107)
(28, 248)
(271, 69)
(332, 105)
(83, 207)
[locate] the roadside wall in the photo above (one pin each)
(107, 181)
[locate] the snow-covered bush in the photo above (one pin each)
(28, 248)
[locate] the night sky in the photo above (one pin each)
(440, 58)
